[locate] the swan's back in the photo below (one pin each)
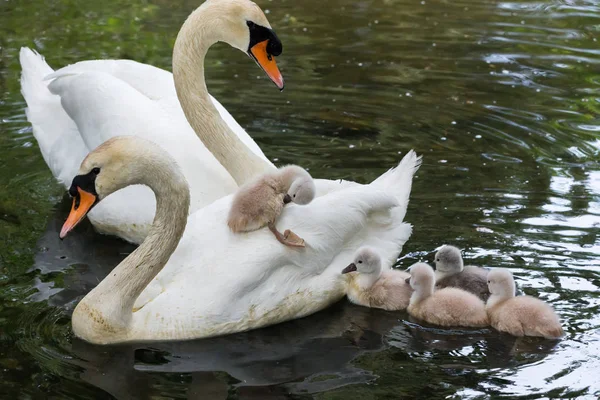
(249, 281)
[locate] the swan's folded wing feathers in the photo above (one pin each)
(55, 132)
(103, 106)
(340, 223)
(134, 74)
(326, 186)
(157, 85)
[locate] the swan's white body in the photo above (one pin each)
(218, 282)
(89, 102)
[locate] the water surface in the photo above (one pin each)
(503, 100)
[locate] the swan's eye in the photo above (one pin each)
(96, 171)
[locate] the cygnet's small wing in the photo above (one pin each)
(255, 205)
(454, 307)
(526, 316)
(470, 280)
(391, 292)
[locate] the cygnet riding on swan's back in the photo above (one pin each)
(214, 281)
(520, 315)
(445, 307)
(259, 203)
(450, 272)
(369, 285)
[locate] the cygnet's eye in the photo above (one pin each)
(95, 171)
(360, 261)
(437, 259)
(294, 196)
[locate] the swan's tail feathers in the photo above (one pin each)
(398, 180)
(56, 134)
(35, 91)
(34, 69)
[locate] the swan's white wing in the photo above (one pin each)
(152, 82)
(103, 106)
(157, 85)
(57, 135)
(218, 282)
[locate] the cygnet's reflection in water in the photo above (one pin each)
(308, 355)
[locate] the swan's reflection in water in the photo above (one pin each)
(289, 352)
(310, 355)
(306, 356)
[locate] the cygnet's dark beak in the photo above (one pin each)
(287, 199)
(407, 281)
(349, 268)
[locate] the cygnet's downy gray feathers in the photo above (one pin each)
(451, 272)
(260, 202)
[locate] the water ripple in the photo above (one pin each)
(501, 98)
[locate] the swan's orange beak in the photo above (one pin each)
(82, 204)
(267, 62)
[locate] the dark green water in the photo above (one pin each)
(502, 99)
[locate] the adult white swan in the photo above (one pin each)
(89, 102)
(217, 282)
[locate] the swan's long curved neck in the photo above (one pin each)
(107, 310)
(198, 33)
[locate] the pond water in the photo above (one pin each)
(501, 97)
